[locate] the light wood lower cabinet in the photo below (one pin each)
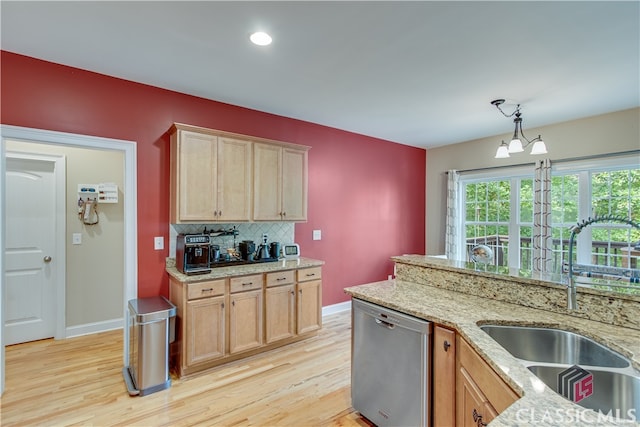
(280, 303)
(480, 393)
(444, 377)
(245, 321)
(309, 300)
(227, 319)
(201, 330)
(205, 333)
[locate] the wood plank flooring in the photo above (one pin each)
(78, 382)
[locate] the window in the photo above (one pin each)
(498, 211)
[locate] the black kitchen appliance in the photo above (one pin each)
(274, 249)
(192, 253)
(214, 253)
(247, 248)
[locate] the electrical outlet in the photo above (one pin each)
(77, 238)
(317, 234)
(158, 243)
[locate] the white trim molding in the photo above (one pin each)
(336, 308)
(129, 149)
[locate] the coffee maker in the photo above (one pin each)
(192, 253)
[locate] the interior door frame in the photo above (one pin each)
(60, 232)
(130, 276)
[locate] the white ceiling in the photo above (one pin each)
(420, 73)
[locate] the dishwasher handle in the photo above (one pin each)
(385, 324)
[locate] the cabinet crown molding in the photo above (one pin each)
(215, 132)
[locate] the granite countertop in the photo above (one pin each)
(464, 313)
(240, 270)
(519, 276)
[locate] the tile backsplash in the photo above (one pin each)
(283, 232)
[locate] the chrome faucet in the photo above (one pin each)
(572, 302)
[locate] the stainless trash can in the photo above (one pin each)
(150, 322)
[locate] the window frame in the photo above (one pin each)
(583, 168)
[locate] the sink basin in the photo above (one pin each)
(613, 392)
(548, 345)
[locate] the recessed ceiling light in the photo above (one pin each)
(260, 38)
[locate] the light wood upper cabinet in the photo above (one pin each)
(228, 177)
(234, 179)
(279, 183)
(210, 177)
(193, 176)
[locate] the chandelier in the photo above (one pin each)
(516, 145)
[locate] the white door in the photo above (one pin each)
(31, 263)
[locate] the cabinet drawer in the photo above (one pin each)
(246, 283)
(305, 274)
(280, 278)
(205, 289)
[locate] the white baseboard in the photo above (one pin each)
(109, 325)
(94, 328)
(336, 308)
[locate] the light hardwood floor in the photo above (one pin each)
(78, 381)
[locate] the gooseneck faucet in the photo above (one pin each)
(572, 302)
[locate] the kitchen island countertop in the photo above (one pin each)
(464, 313)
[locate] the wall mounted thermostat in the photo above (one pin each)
(291, 251)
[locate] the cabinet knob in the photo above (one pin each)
(446, 345)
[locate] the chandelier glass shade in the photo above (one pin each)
(516, 144)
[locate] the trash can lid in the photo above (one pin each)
(151, 308)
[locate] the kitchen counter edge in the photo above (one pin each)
(241, 270)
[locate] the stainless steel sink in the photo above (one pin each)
(614, 393)
(554, 346)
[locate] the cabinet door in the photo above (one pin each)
(444, 377)
(234, 180)
(205, 330)
(245, 321)
(280, 312)
(309, 306)
(196, 176)
(471, 403)
(294, 185)
(267, 182)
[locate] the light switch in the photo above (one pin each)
(317, 235)
(77, 238)
(158, 243)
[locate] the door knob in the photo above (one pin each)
(47, 259)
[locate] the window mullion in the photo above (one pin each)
(583, 240)
(514, 220)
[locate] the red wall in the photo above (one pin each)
(366, 195)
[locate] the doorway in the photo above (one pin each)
(128, 148)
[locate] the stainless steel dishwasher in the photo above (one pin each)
(390, 366)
